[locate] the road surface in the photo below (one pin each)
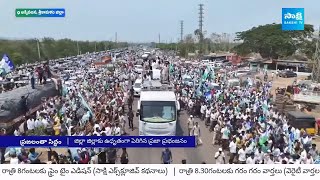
(203, 153)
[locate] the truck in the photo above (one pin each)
(157, 109)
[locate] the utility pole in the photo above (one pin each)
(201, 26)
(78, 48)
(159, 38)
(181, 31)
(38, 46)
(316, 61)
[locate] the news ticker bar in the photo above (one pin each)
(98, 141)
(143, 171)
(27, 12)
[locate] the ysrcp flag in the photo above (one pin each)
(6, 65)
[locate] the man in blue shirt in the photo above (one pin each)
(34, 156)
(166, 156)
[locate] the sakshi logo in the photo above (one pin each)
(293, 19)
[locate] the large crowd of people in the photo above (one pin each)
(244, 125)
(242, 119)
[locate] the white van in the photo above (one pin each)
(137, 87)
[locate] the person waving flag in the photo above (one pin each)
(6, 65)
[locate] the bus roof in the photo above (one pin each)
(300, 115)
(157, 96)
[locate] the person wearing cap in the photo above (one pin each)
(220, 157)
(190, 125)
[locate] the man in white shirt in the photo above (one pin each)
(250, 159)
(117, 130)
(190, 125)
(259, 155)
(122, 124)
(30, 124)
(268, 159)
(37, 123)
(233, 150)
(225, 137)
(220, 157)
(196, 133)
(242, 155)
(203, 111)
(13, 158)
(307, 160)
(207, 119)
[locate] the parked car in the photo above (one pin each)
(138, 69)
(287, 74)
(137, 87)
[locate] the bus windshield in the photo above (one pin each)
(158, 112)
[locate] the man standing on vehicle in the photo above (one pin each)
(166, 156)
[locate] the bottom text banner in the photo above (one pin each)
(143, 171)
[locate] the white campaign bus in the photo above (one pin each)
(157, 110)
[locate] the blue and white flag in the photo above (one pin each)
(6, 65)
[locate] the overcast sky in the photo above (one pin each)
(143, 20)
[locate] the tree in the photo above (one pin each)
(271, 42)
(26, 51)
(16, 58)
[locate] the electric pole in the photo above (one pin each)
(316, 61)
(78, 49)
(181, 31)
(38, 46)
(201, 26)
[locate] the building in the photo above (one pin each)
(258, 64)
(233, 58)
(298, 66)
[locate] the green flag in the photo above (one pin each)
(171, 68)
(205, 75)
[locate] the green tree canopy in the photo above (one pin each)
(26, 51)
(271, 42)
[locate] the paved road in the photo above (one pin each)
(203, 153)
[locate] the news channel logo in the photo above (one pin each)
(292, 19)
